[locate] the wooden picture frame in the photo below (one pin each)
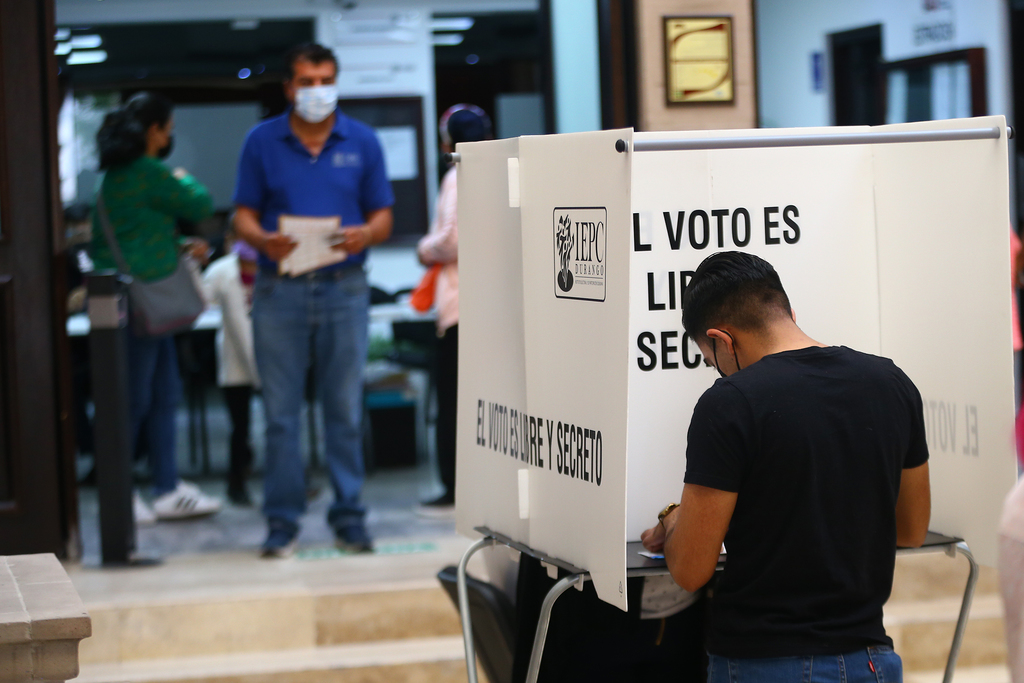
(699, 60)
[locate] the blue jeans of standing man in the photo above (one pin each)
(154, 386)
(875, 664)
(320, 318)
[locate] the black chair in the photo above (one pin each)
(493, 618)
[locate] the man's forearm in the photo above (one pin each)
(247, 226)
(378, 226)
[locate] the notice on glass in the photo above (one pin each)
(314, 237)
(400, 151)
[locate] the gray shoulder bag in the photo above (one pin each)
(161, 307)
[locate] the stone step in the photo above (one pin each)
(927, 576)
(269, 622)
(922, 632)
(223, 611)
(977, 674)
(412, 660)
(922, 612)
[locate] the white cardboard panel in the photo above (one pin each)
(492, 364)
(944, 273)
(576, 331)
(828, 271)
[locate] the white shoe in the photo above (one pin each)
(144, 514)
(185, 501)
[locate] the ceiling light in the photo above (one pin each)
(87, 57)
(245, 24)
(62, 34)
(447, 39)
(451, 24)
(244, 73)
(89, 42)
(472, 59)
(62, 49)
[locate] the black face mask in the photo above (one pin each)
(165, 151)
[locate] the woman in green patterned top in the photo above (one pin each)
(144, 200)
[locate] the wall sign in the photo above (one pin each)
(698, 59)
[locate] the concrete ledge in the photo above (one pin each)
(42, 619)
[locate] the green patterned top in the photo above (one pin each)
(143, 201)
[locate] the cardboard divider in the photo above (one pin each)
(576, 382)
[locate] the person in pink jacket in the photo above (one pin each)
(460, 123)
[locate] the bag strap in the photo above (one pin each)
(108, 233)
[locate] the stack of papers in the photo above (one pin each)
(314, 236)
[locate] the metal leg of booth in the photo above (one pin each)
(965, 608)
(467, 626)
(545, 618)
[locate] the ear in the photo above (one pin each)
(792, 314)
(722, 337)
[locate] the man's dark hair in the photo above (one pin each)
(314, 53)
(122, 137)
(733, 288)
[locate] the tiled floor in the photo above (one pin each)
(391, 496)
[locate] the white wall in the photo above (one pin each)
(789, 32)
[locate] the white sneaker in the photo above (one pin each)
(185, 501)
(144, 515)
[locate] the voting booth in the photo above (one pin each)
(576, 381)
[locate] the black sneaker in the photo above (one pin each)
(280, 543)
(239, 495)
(439, 508)
(353, 539)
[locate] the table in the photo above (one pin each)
(382, 317)
(639, 565)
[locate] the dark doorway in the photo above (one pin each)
(856, 77)
(1017, 51)
(37, 506)
(495, 61)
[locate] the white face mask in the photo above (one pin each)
(315, 103)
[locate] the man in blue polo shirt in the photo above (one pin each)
(312, 161)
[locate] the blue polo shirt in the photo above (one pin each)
(277, 175)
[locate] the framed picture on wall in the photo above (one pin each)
(698, 60)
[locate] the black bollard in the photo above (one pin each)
(108, 349)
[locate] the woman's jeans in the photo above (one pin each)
(155, 391)
(319, 320)
(875, 664)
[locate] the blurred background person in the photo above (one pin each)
(143, 200)
(228, 284)
(312, 161)
(440, 246)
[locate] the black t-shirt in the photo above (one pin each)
(813, 442)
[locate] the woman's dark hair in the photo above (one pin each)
(122, 137)
(464, 123)
(733, 288)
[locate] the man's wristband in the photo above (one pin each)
(666, 511)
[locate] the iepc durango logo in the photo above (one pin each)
(580, 252)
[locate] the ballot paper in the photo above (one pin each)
(661, 556)
(313, 236)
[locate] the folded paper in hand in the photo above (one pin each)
(313, 236)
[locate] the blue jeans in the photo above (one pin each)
(875, 664)
(320, 319)
(154, 387)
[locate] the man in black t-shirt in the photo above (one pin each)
(810, 463)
